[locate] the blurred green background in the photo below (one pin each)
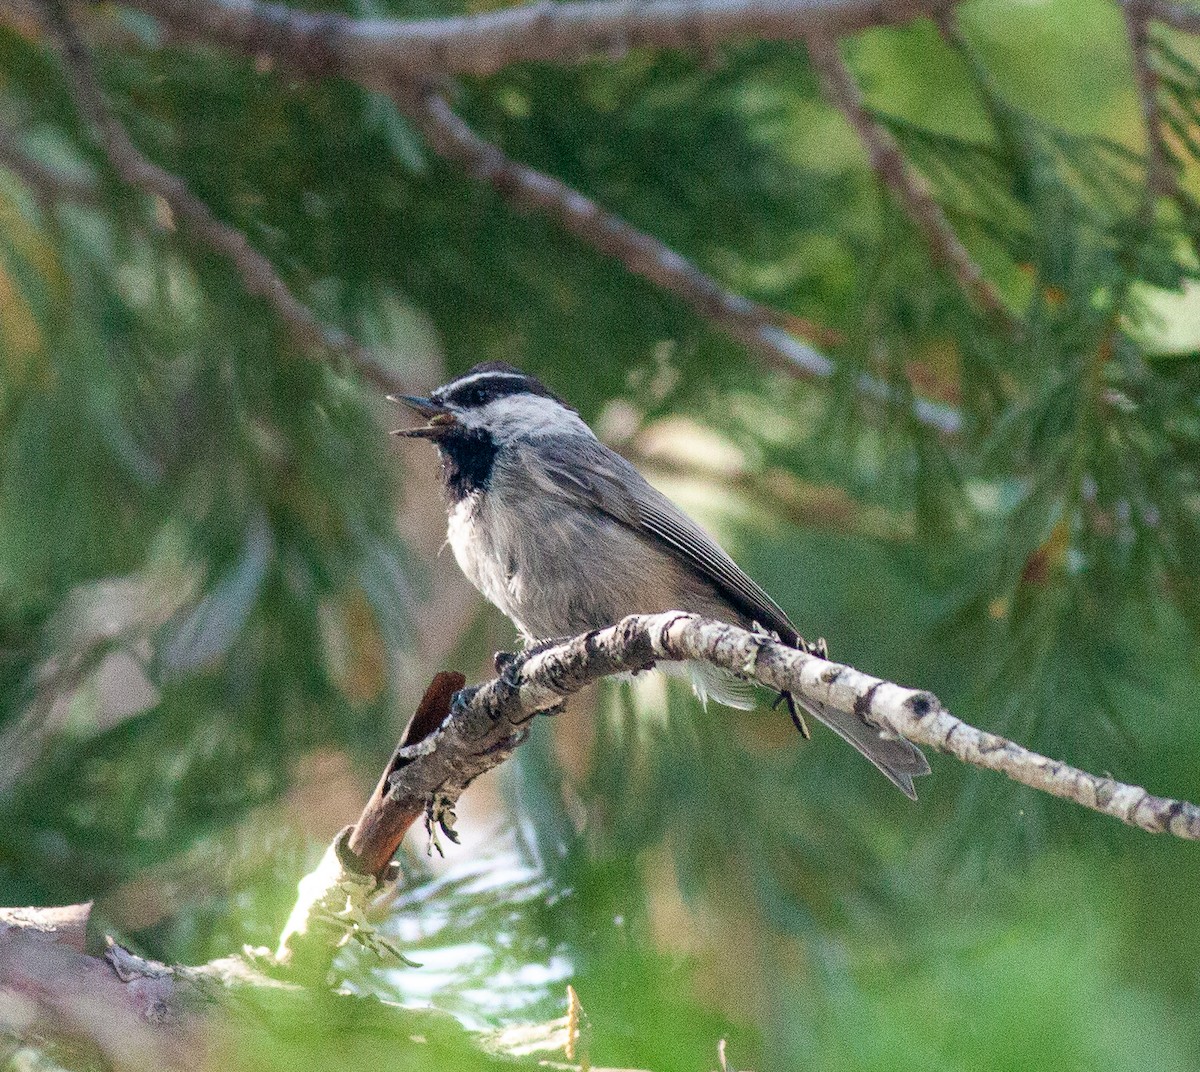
(221, 593)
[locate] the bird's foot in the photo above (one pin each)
(796, 713)
(439, 815)
(816, 647)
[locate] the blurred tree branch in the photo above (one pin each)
(908, 188)
(257, 272)
(128, 1013)
(755, 325)
(48, 185)
(770, 333)
(1173, 14)
(1160, 182)
(376, 52)
(384, 54)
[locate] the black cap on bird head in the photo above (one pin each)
(474, 389)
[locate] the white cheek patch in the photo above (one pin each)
(521, 416)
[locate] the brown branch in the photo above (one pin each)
(257, 272)
(1183, 17)
(372, 842)
(56, 992)
(906, 186)
(1160, 181)
(126, 1013)
(66, 924)
(375, 52)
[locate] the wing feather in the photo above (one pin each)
(586, 468)
(591, 470)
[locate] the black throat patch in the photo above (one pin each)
(467, 458)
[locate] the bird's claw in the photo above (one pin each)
(508, 664)
(795, 712)
(439, 815)
(816, 647)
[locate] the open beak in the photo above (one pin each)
(441, 420)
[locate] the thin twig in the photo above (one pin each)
(375, 52)
(48, 185)
(906, 186)
(258, 274)
(1160, 181)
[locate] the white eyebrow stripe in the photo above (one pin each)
(475, 377)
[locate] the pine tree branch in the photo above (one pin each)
(758, 327)
(755, 326)
(257, 273)
(296, 38)
(375, 52)
(1160, 181)
(906, 186)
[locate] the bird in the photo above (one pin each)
(564, 536)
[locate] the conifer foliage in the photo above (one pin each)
(904, 303)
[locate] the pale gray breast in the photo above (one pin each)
(556, 565)
(559, 543)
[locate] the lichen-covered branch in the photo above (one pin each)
(487, 724)
(910, 713)
(375, 52)
(258, 274)
(906, 186)
(484, 731)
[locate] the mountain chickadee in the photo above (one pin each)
(565, 536)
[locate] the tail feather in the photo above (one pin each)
(900, 761)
